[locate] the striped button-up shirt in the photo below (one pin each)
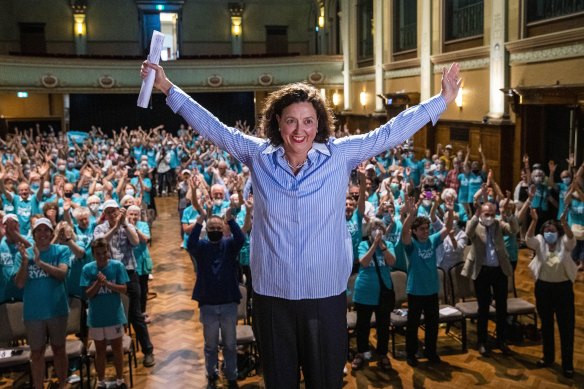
(301, 248)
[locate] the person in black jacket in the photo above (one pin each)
(217, 290)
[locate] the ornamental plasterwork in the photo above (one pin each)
(479, 63)
(399, 73)
(363, 77)
(554, 53)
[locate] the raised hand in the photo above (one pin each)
(533, 214)
(161, 82)
(451, 82)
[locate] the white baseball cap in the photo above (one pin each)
(370, 166)
(42, 221)
(110, 204)
(9, 216)
(186, 171)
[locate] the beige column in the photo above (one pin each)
(498, 59)
(425, 43)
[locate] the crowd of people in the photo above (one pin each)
(76, 219)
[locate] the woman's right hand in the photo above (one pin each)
(161, 82)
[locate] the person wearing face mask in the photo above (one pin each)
(488, 266)
(422, 284)
(219, 204)
(374, 293)
(142, 254)
(22, 203)
(354, 211)
(540, 198)
(217, 290)
(477, 176)
(561, 187)
(94, 203)
(554, 273)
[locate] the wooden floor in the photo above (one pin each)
(178, 343)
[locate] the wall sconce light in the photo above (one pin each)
(458, 99)
(80, 27)
(363, 97)
(321, 17)
(336, 99)
(236, 25)
(236, 13)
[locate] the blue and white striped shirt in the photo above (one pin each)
(301, 248)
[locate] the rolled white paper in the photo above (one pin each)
(153, 57)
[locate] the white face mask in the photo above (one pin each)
(94, 208)
(487, 221)
(427, 203)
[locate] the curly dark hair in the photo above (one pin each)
(290, 94)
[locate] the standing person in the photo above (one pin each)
(142, 254)
(374, 293)
(423, 284)
(301, 257)
(554, 272)
(42, 273)
(103, 281)
(9, 244)
(122, 237)
(488, 266)
(217, 290)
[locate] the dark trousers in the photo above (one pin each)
(143, 280)
(136, 318)
(429, 306)
(491, 283)
(301, 334)
(556, 298)
(382, 315)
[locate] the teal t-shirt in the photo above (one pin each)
(105, 308)
(73, 287)
(576, 212)
(367, 286)
(355, 228)
(422, 273)
(45, 297)
(8, 268)
(189, 216)
(393, 235)
(141, 252)
(474, 184)
(23, 209)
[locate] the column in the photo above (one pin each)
(498, 59)
(378, 53)
(425, 42)
(346, 45)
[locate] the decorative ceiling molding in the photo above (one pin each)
(553, 39)
(461, 55)
(551, 54)
(75, 75)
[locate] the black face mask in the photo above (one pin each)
(476, 171)
(214, 236)
(69, 194)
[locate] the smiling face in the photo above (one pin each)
(298, 126)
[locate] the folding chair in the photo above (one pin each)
(449, 314)
(517, 306)
(397, 320)
(16, 356)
